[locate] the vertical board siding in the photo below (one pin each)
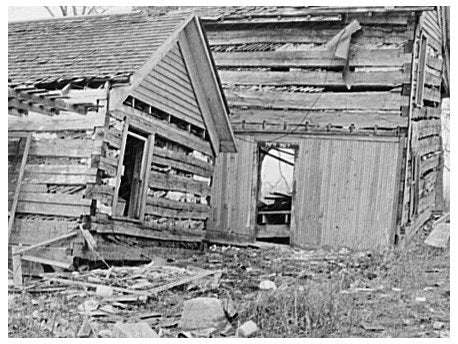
(232, 192)
(345, 195)
(169, 88)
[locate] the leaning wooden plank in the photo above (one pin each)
(176, 183)
(63, 265)
(62, 148)
(94, 285)
(313, 59)
(313, 78)
(316, 101)
(151, 124)
(14, 205)
(360, 119)
(148, 231)
(45, 243)
(54, 209)
(59, 123)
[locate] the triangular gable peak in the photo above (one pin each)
(180, 79)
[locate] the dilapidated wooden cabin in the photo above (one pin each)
(354, 94)
(114, 126)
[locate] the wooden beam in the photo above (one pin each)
(17, 267)
(176, 183)
(46, 261)
(313, 78)
(243, 118)
(63, 122)
(120, 164)
(316, 101)
(312, 59)
(151, 124)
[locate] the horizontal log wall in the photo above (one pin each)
(60, 165)
(426, 127)
(282, 74)
(177, 200)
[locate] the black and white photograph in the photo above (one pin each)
(222, 171)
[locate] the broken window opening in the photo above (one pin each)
(274, 201)
(133, 176)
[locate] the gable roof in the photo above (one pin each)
(127, 45)
(85, 47)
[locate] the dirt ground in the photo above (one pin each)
(321, 293)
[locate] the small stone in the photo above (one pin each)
(396, 289)
(247, 329)
(104, 333)
(85, 330)
(267, 285)
(133, 330)
(104, 291)
(201, 313)
(438, 325)
(420, 299)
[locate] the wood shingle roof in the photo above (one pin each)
(106, 46)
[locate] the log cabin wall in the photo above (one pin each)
(281, 80)
(180, 169)
(425, 156)
(61, 168)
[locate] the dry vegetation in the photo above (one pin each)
(395, 293)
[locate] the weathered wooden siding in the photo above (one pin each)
(234, 194)
(169, 88)
(62, 162)
(282, 75)
(346, 192)
(425, 154)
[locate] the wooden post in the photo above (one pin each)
(12, 212)
(120, 166)
(17, 267)
(145, 175)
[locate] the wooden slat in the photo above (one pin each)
(425, 112)
(362, 119)
(317, 101)
(176, 183)
(63, 265)
(67, 199)
(427, 127)
(313, 59)
(54, 209)
(109, 165)
(426, 202)
(429, 164)
(54, 124)
(182, 162)
(62, 148)
(428, 145)
(61, 169)
(172, 204)
(64, 179)
(151, 124)
(313, 78)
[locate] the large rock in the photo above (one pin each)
(202, 312)
(248, 329)
(133, 330)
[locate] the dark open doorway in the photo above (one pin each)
(132, 179)
(275, 191)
